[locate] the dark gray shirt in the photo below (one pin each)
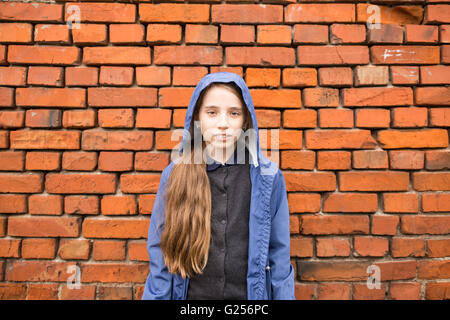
(225, 274)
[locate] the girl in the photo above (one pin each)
(220, 223)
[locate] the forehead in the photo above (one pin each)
(221, 97)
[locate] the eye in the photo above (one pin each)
(236, 113)
(211, 113)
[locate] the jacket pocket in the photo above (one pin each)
(269, 282)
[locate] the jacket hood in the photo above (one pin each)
(256, 156)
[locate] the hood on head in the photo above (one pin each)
(225, 77)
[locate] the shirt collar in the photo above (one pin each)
(213, 164)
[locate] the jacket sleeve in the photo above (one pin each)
(282, 272)
(158, 285)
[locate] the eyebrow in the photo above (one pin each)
(213, 106)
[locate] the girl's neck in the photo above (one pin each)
(223, 156)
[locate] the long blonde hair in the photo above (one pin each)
(186, 235)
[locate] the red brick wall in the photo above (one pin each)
(86, 116)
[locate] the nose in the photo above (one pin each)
(223, 121)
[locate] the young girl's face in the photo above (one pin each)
(221, 117)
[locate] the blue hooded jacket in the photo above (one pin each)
(270, 274)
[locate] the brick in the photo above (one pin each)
(81, 76)
(372, 118)
(163, 33)
(11, 160)
(12, 291)
(374, 181)
(139, 183)
(6, 97)
(391, 15)
(327, 247)
(38, 248)
(115, 273)
(437, 14)
(438, 202)
(268, 118)
(167, 140)
(438, 248)
(9, 248)
(283, 139)
(437, 290)
(433, 225)
(332, 271)
(370, 159)
(321, 97)
(339, 139)
(150, 161)
(301, 247)
(51, 97)
(80, 183)
(179, 12)
(405, 54)
(79, 119)
(304, 291)
(83, 293)
(121, 228)
(386, 33)
(330, 12)
(108, 250)
(362, 292)
(329, 55)
(12, 76)
(146, 203)
(10, 203)
(405, 291)
(432, 96)
(434, 74)
(30, 12)
(377, 96)
(55, 55)
(178, 117)
(12, 119)
(404, 75)
(370, 246)
(120, 76)
(115, 293)
(193, 54)
(291, 159)
(137, 251)
(81, 205)
(70, 249)
(431, 181)
(126, 33)
(2, 54)
(42, 292)
(116, 118)
(116, 55)
(51, 33)
(175, 97)
(384, 225)
(407, 247)
(347, 33)
(274, 34)
(117, 140)
(104, 12)
(45, 204)
(47, 76)
(423, 138)
(277, 98)
(122, 97)
(433, 269)
(188, 76)
(436, 160)
(21, 183)
(317, 181)
(421, 33)
(43, 226)
(299, 77)
(115, 161)
(333, 291)
(90, 33)
(4, 139)
(205, 34)
(445, 57)
(309, 33)
(409, 117)
(237, 34)
(34, 270)
(406, 159)
(153, 76)
(45, 139)
(43, 118)
(118, 205)
(350, 202)
(79, 161)
(246, 13)
(44, 161)
(262, 77)
(336, 77)
(265, 56)
(444, 34)
(371, 75)
(333, 160)
(153, 118)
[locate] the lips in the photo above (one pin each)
(222, 137)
